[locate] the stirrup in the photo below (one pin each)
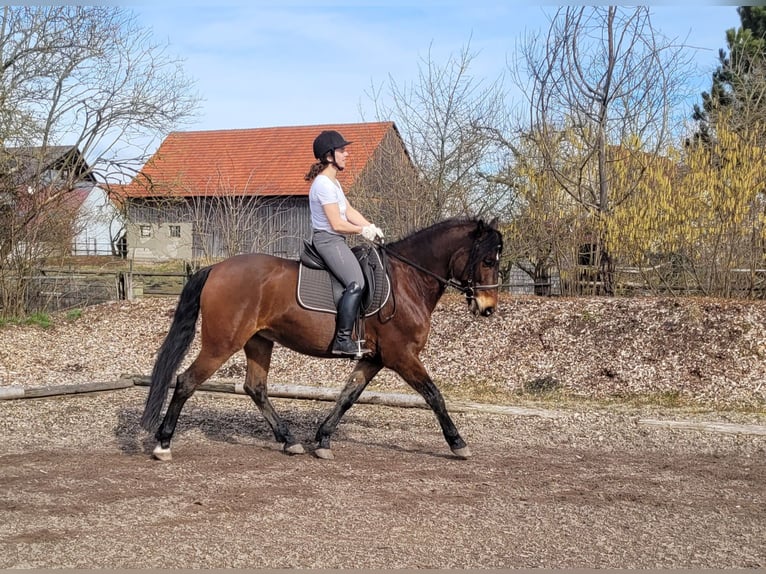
(355, 353)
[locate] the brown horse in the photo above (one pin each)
(249, 302)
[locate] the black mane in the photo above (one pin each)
(422, 234)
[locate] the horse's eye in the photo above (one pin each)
(489, 262)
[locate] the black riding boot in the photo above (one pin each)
(348, 311)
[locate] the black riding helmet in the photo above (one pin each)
(328, 141)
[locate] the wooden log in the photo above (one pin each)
(301, 392)
(17, 392)
(400, 400)
(367, 397)
(728, 428)
(415, 401)
(12, 392)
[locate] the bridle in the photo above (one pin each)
(467, 287)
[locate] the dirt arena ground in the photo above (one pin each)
(583, 490)
(584, 486)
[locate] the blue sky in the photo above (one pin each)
(290, 62)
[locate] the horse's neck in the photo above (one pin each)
(432, 250)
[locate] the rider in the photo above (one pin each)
(332, 218)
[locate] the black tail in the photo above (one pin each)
(174, 347)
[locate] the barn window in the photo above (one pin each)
(175, 230)
(145, 230)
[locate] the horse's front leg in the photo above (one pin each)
(418, 378)
(362, 374)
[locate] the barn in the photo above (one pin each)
(206, 195)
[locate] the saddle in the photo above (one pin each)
(320, 290)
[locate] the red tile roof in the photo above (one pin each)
(75, 198)
(259, 161)
(116, 193)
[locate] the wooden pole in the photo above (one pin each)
(367, 397)
(728, 428)
(18, 392)
(400, 400)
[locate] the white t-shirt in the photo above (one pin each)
(323, 192)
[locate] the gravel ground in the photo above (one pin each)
(587, 488)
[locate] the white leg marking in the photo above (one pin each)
(162, 454)
(324, 453)
(463, 453)
(296, 448)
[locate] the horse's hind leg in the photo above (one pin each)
(258, 352)
(361, 375)
(186, 383)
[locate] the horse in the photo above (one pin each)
(249, 302)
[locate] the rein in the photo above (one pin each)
(467, 290)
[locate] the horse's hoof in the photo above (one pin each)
(324, 453)
(462, 453)
(162, 454)
(296, 448)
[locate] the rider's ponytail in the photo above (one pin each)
(315, 170)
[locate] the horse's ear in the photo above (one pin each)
(482, 226)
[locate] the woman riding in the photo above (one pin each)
(332, 219)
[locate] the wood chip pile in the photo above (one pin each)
(704, 350)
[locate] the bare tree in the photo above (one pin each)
(601, 79)
(226, 224)
(43, 236)
(443, 118)
(87, 77)
(389, 191)
(541, 219)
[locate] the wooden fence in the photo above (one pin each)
(57, 290)
(61, 289)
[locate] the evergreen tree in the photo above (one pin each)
(739, 81)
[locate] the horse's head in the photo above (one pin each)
(480, 278)
(459, 253)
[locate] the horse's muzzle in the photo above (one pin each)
(480, 308)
